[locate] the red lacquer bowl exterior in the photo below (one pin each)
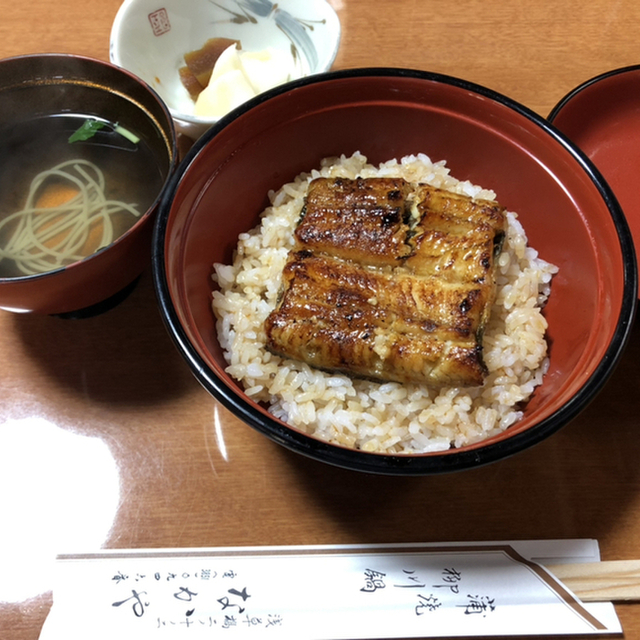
(42, 84)
(568, 211)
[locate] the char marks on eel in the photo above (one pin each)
(389, 281)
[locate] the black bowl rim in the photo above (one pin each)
(562, 103)
(404, 465)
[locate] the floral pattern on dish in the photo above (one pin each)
(294, 28)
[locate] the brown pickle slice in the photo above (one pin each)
(196, 74)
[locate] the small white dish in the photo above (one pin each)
(150, 37)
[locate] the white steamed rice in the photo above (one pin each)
(371, 416)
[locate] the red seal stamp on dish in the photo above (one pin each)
(160, 22)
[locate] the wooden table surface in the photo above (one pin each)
(106, 439)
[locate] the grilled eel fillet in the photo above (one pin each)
(389, 282)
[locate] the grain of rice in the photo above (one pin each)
(373, 416)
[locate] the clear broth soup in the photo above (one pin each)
(131, 173)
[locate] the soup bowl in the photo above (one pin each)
(567, 210)
(42, 93)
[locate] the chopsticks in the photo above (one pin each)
(611, 581)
